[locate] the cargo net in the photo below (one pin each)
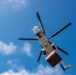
(53, 59)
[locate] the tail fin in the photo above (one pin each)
(66, 67)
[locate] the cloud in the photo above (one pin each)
(12, 63)
(7, 49)
(41, 70)
(14, 4)
(27, 49)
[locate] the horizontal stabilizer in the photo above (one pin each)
(67, 67)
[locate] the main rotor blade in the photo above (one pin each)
(27, 38)
(62, 50)
(40, 22)
(39, 56)
(62, 66)
(61, 30)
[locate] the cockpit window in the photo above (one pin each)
(39, 34)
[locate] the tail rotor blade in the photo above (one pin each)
(61, 30)
(62, 50)
(39, 56)
(40, 22)
(27, 39)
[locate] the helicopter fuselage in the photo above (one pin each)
(47, 47)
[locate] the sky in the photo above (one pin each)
(17, 18)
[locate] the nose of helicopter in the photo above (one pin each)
(36, 29)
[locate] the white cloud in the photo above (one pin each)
(7, 49)
(12, 63)
(27, 49)
(14, 4)
(41, 70)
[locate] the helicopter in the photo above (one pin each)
(48, 48)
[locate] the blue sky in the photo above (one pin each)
(17, 18)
